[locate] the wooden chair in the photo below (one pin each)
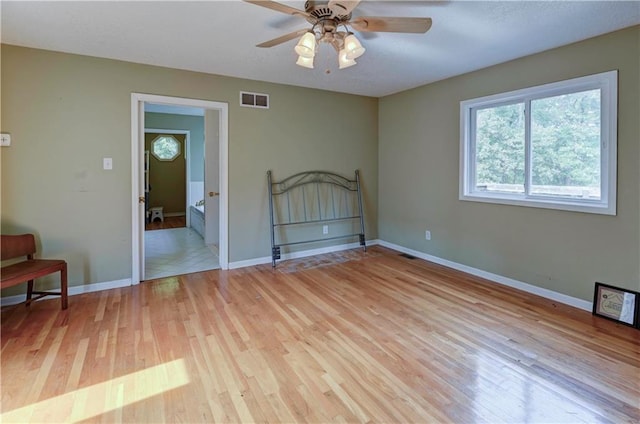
(24, 245)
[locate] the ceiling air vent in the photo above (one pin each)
(258, 100)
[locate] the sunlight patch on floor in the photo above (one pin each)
(114, 394)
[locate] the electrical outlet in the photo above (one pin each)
(325, 229)
(5, 139)
(427, 235)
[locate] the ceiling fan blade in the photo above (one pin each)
(283, 38)
(382, 24)
(342, 7)
(279, 7)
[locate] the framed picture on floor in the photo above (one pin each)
(616, 304)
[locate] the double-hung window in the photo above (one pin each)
(550, 146)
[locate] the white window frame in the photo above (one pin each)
(607, 83)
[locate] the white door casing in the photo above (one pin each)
(137, 183)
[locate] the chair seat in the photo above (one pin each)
(29, 270)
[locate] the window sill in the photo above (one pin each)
(557, 204)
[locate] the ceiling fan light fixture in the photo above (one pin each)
(353, 47)
(326, 17)
(305, 62)
(306, 47)
(343, 62)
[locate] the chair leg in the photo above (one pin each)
(29, 292)
(63, 286)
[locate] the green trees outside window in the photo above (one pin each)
(565, 146)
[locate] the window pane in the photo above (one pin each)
(166, 148)
(500, 149)
(565, 145)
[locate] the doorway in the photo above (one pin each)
(174, 186)
(215, 184)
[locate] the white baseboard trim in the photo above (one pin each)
(300, 254)
(529, 288)
(175, 214)
(73, 290)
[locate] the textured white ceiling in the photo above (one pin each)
(219, 37)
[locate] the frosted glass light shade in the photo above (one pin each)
(306, 47)
(306, 62)
(343, 62)
(353, 47)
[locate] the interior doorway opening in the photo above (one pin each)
(202, 202)
(174, 188)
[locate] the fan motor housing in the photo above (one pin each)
(320, 11)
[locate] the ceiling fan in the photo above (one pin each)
(326, 18)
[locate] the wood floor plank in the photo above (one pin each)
(372, 337)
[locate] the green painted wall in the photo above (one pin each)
(66, 112)
(566, 252)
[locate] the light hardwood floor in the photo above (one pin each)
(377, 338)
(169, 222)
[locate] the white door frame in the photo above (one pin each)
(137, 185)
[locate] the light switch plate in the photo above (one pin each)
(107, 163)
(5, 139)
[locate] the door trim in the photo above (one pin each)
(137, 153)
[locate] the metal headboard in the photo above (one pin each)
(313, 198)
